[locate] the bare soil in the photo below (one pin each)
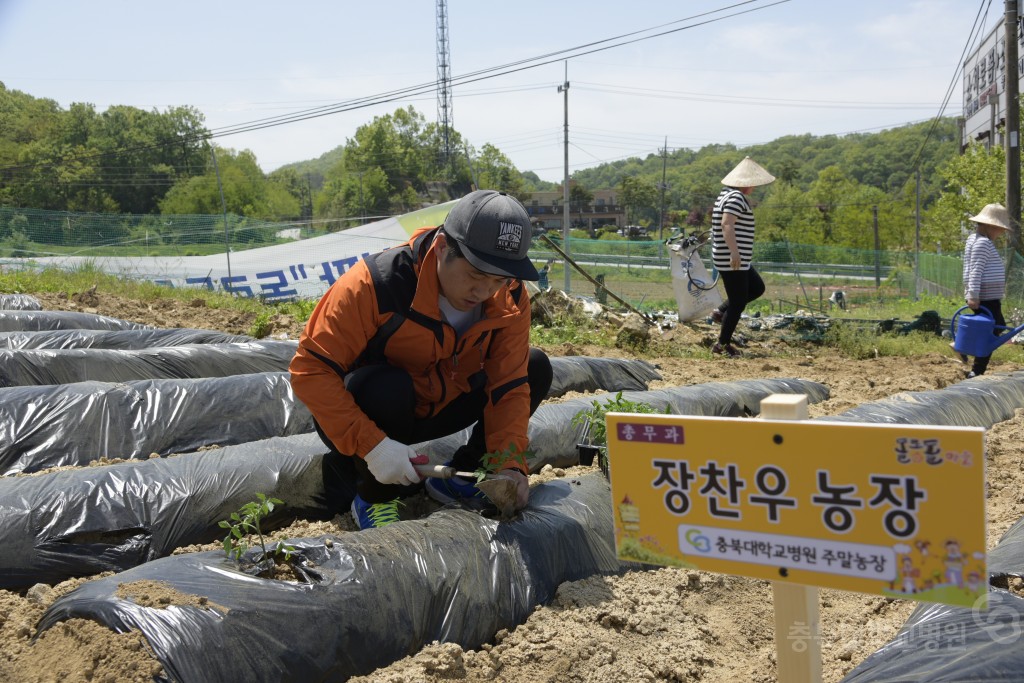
(656, 625)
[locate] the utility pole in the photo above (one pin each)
(362, 209)
(663, 186)
(564, 88)
(917, 234)
(1012, 122)
(309, 196)
(878, 248)
(472, 171)
(224, 207)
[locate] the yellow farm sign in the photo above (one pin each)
(893, 510)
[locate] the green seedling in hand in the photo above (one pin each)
(495, 462)
(247, 521)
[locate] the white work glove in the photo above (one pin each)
(389, 463)
(522, 485)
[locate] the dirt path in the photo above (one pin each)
(656, 625)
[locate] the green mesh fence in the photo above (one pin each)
(35, 232)
(797, 275)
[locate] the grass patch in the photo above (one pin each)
(565, 331)
(864, 341)
(83, 277)
(901, 308)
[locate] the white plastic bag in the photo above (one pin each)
(693, 302)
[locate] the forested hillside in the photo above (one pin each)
(831, 189)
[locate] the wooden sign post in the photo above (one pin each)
(797, 615)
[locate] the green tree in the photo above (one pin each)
(356, 194)
(124, 159)
(145, 153)
(495, 171)
(636, 194)
(392, 143)
(298, 186)
(247, 192)
(972, 180)
(830, 193)
(785, 215)
(579, 197)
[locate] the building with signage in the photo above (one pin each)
(546, 210)
(984, 91)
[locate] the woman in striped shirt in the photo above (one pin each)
(984, 275)
(732, 248)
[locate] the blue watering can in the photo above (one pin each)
(975, 335)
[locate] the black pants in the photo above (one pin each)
(385, 393)
(995, 307)
(741, 287)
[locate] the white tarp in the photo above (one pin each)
(303, 269)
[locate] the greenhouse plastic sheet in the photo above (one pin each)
(14, 321)
(114, 339)
(585, 373)
(377, 596)
(118, 508)
(454, 576)
(1007, 558)
(939, 642)
(74, 424)
(85, 521)
(19, 302)
(553, 436)
(978, 402)
(60, 366)
(942, 643)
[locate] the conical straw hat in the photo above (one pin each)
(994, 214)
(748, 173)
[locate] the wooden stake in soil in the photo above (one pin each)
(587, 275)
(797, 616)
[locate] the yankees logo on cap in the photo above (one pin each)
(493, 229)
(510, 236)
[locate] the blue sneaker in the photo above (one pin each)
(454, 490)
(374, 515)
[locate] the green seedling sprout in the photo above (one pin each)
(593, 418)
(247, 521)
(496, 461)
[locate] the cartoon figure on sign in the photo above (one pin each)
(931, 566)
(974, 582)
(909, 573)
(954, 561)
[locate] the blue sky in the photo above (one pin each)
(772, 69)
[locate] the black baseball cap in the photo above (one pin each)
(493, 229)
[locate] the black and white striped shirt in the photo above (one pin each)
(735, 202)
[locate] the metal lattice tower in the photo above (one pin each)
(444, 86)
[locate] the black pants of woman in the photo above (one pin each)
(995, 307)
(741, 287)
(385, 394)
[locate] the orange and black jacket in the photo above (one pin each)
(385, 310)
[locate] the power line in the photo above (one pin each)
(977, 28)
(758, 101)
(620, 40)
